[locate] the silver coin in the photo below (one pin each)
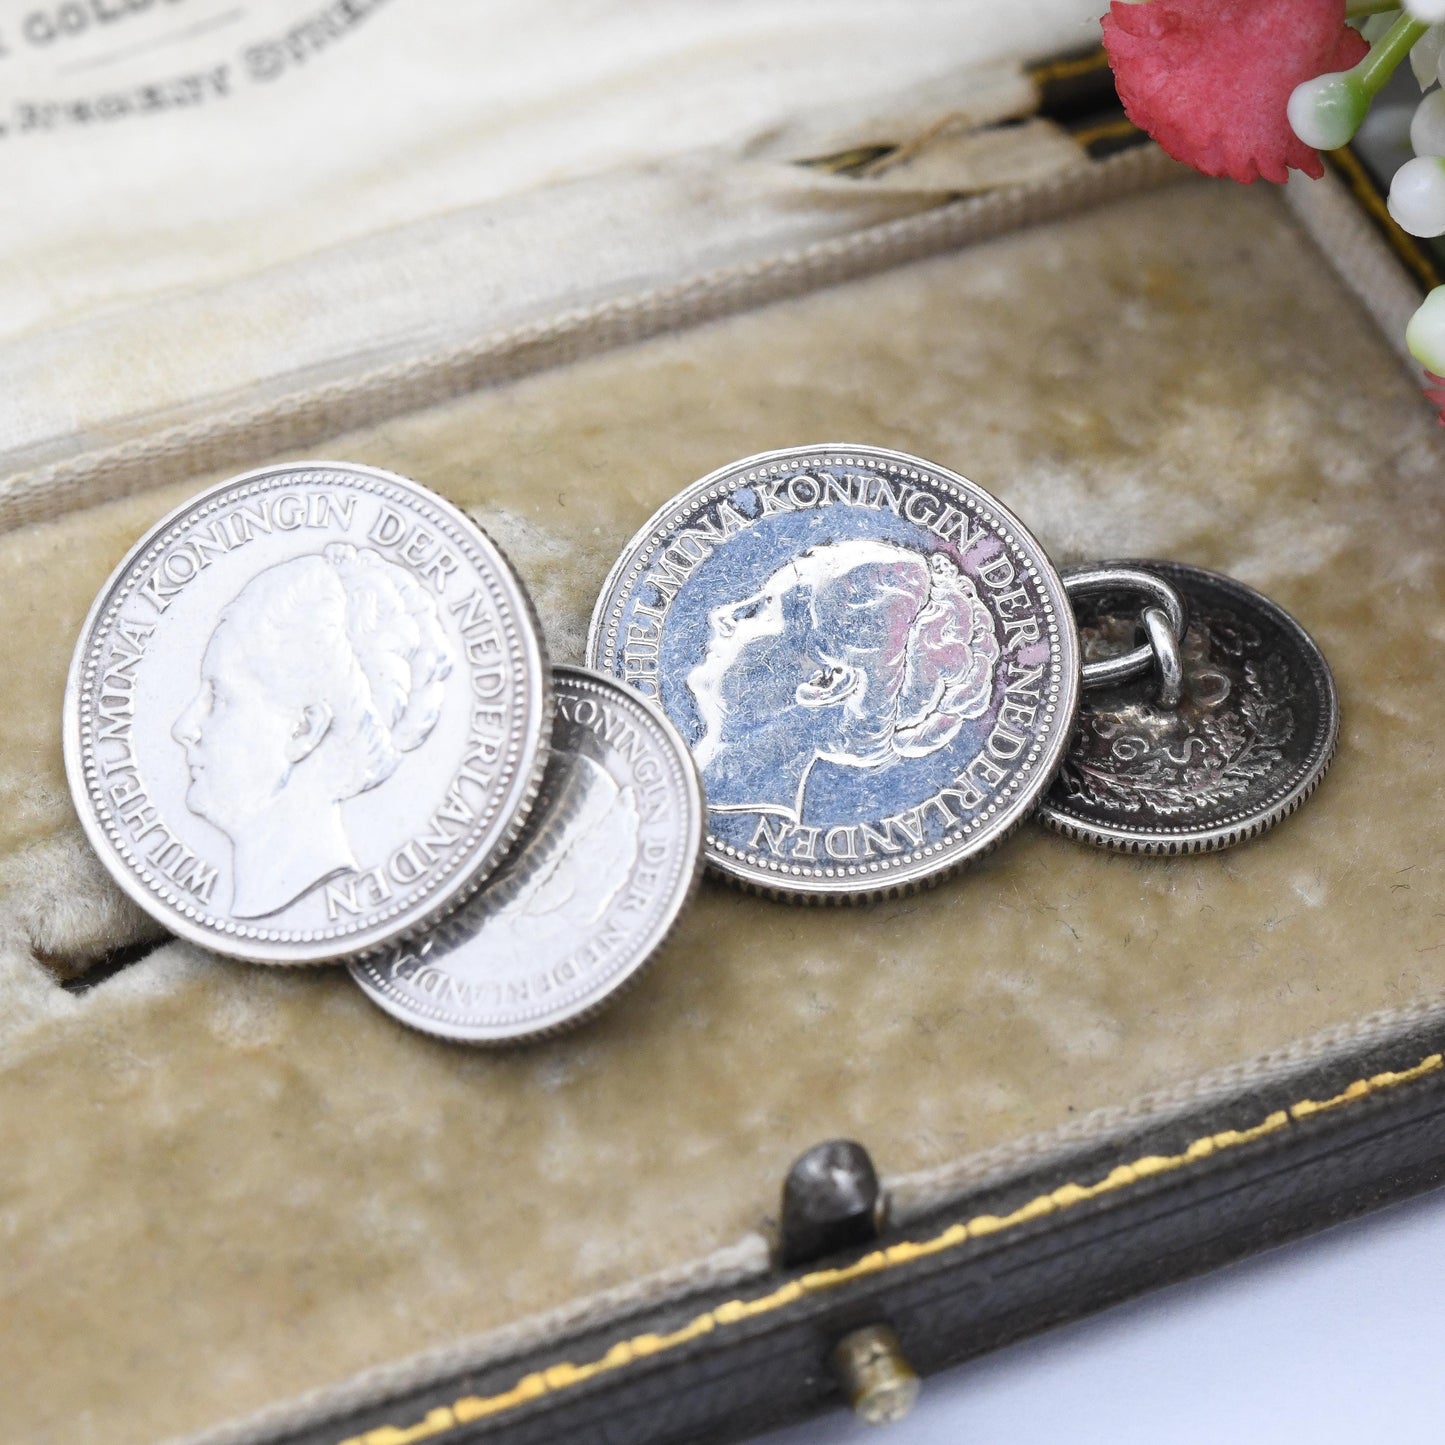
(1250, 740)
(872, 659)
(600, 875)
(307, 714)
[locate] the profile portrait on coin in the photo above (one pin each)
(562, 881)
(861, 653)
(320, 675)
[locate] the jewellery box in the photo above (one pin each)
(557, 261)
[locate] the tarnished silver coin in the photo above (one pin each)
(307, 714)
(1251, 737)
(873, 661)
(601, 873)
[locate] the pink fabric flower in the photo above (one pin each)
(1435, 393)
(1210, 79)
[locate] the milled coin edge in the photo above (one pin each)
(1180, 842)
(835, 892)
(522, 794)
(657, 939)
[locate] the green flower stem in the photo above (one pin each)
(1386, 53)
(1326, 111)
(1354, 9)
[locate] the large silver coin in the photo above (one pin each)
(605, 866)
(1251, 738)
(873, 661)
(307, 714)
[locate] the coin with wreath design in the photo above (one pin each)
(872, 660)
(307, 714)
(1251, 738)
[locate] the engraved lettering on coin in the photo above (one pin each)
(600, 874)
(1252, 736)
(307, 713)
(865, 654)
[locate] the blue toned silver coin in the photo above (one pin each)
(873, 662)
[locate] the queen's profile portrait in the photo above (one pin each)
(861, 653)
(578, 859)
(321, 674)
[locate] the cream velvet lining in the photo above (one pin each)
(227, 1185)
(367, 181)
(398, 112)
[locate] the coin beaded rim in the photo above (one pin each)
(429, 1019)
(1237, 827)
(994, 824)
(519, 775)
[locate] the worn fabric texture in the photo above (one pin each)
(216, 203)
(226, 1185)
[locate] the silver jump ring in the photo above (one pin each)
(1168, 665)
(1089, 581)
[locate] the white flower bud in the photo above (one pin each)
(1425, 335)
(1427, 125)
(1376, 25)
(1326, 112)
(1427, 10)
(1425, 55)
(1417, 196)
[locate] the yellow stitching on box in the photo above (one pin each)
(1105, 130)
(561, 1377)
(1064, 70)
(436, 1421)
(1361, 1087)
